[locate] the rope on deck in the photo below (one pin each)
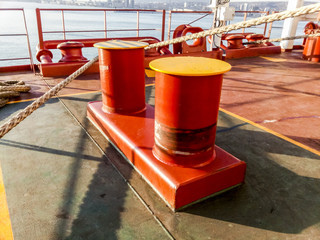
(245, 24)
(282, 39)
(11, 89)
(16, 88)
(14, 121)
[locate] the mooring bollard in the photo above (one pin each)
(171, 146)
(122, 76)
(187, 101)
(71, 52)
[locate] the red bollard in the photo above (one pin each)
(71, 52)
(191, 167)
(253, 38)
(122, 76)
(186, 109)
(235, 41)
(44, 56)
(198, 45)
(311, 50)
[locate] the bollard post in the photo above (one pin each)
(71, 52)
(172, 146)
(235, 41)
(122, 75)
(187, 101)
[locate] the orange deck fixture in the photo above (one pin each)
(121, 65)
(172, 147)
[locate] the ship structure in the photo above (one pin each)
(217, 138)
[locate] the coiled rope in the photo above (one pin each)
(245, 24)
(14, 121)
(11, 89)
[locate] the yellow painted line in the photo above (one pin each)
(272, 132)
(75, 94)
(150, 73)
(20, 101)
(274, 59)
(5, 222)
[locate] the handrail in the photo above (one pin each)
(210, 12)
(26, 34)
(42, 44)
(111, 30)
(105, 30)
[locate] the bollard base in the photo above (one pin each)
(178, 186)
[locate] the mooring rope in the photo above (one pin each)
(245, 24)
(282, 39)
(14, 121)
(10, 89)
(16, 88)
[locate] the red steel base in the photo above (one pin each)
(65, 68)
(179, 186)
(251, 52)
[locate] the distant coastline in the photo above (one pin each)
(200, 5)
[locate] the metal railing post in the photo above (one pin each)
(265, 26)
(169, 24)
(63, 25)
(39, 24)
(270, 26)
(138, 23)
(105, 24)
(244, 19)
(28, 42)
(163, 24)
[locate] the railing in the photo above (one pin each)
(66, 31)
(105, 30)
(262, 13)
(210, 13)
(26, 34)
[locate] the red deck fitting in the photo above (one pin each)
(122, 75)
(179, 161)
(235, 47)
(71, 51)
(178, 186)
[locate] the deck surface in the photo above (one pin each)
(63, 180)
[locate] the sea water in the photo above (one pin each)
(11, 22)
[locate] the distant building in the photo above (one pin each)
(131, 5)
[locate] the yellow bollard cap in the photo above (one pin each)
(190, 66)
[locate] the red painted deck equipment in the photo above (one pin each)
(172, 147)
(311, 51)
(235, 47)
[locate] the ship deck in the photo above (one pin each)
(63, 180)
